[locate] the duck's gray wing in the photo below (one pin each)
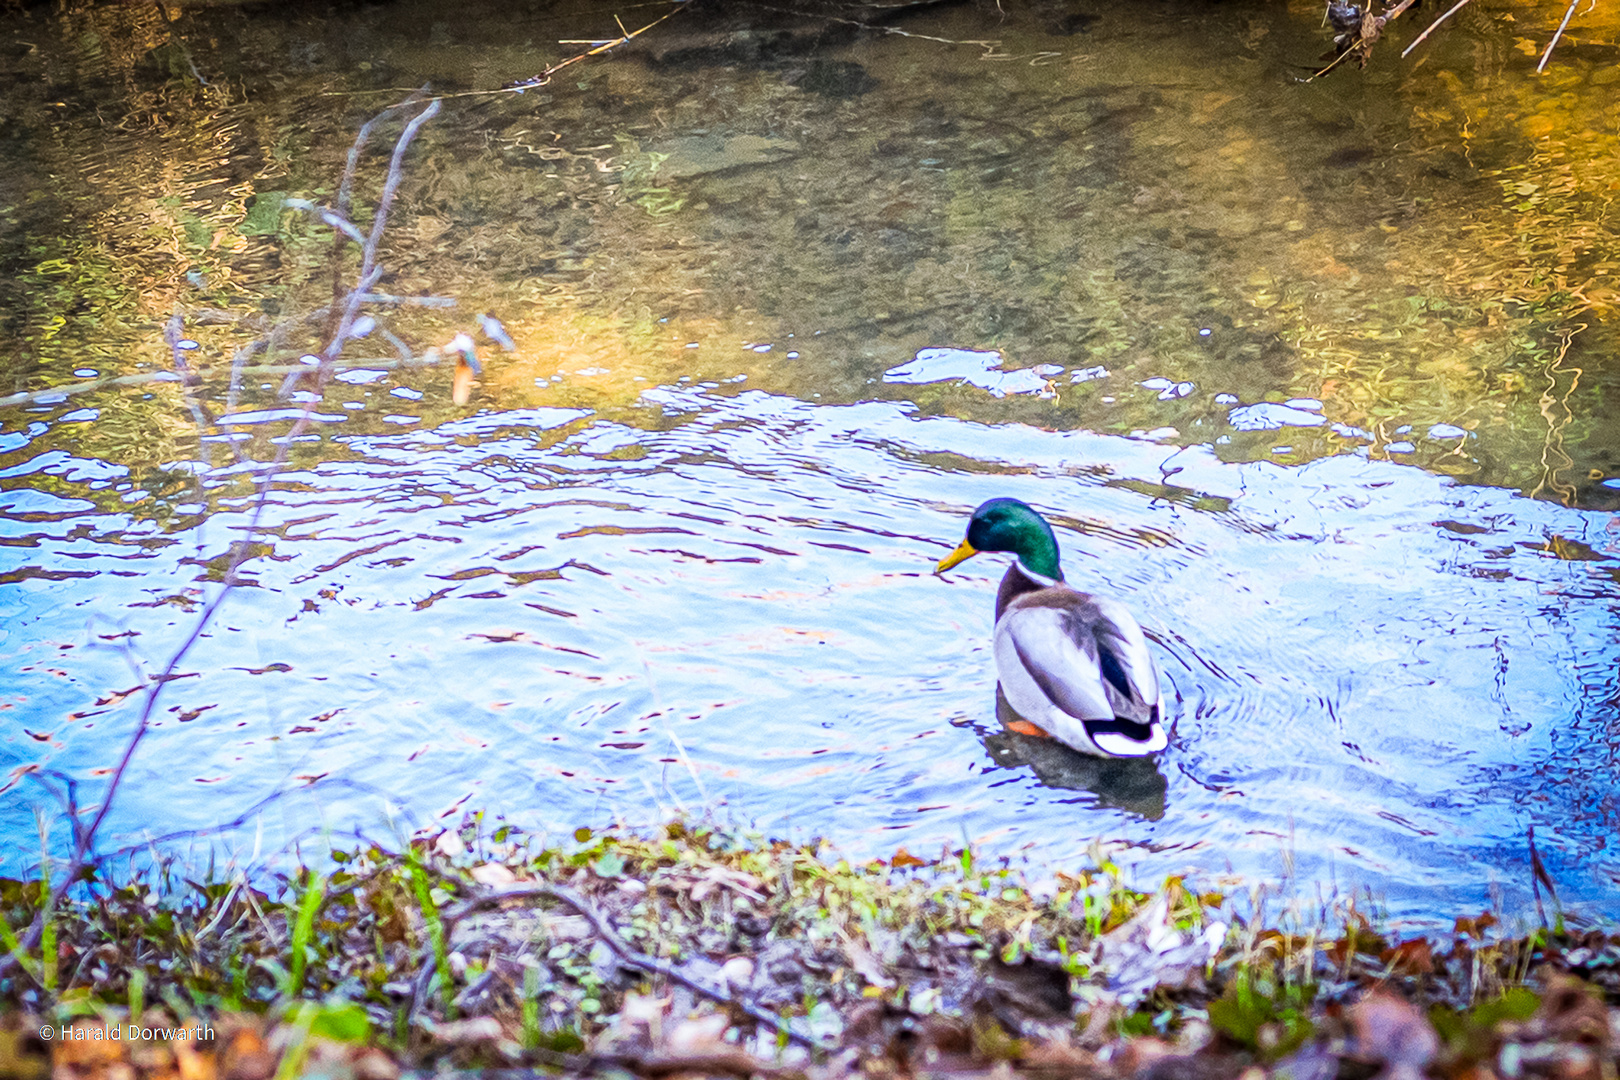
(1058, 661)
(1087, 655)
(1129, 674)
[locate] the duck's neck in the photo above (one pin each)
(1019, 580)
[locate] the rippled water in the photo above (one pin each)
(783, 319)
(1386, 675)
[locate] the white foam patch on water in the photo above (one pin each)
(981, 369)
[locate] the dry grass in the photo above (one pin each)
(698, 949)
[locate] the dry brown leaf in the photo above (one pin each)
(1395, 1032)
(866, 965)
(461, 383)
(87, 1051)
(474, 1029)
(495, 875)
(1413, 957)
(903, 858)
(699, 1034)
(241, 1050)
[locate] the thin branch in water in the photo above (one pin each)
(419, 301)
(242, 550)
(266, 344)
(1372, 28)
(338, 216)
(1548, 54)
(1458, 6)
(179, 345)
(56, 393)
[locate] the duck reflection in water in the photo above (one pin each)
(1134, 785)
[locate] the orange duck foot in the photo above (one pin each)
(1024, 727)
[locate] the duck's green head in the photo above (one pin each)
(1009, 525)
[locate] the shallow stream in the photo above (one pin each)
(1311, 373)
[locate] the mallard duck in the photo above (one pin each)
(1075, 666)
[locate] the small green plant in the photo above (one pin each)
(137, 993)
(303, 931)
(435, 925)
(8, 937)
(1470, 1032)
(1256, 1013)
(531, 1007)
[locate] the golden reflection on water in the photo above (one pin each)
(1407, 245)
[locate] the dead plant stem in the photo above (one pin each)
(369, 273)
(622, 949)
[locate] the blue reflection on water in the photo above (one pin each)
(1386, 675)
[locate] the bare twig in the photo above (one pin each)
(1539, 877)
(179, 345)
(1548, 54)
(55, 392)
(419, 301)
(69, 799)
(265, 344)
(52, 393)
(725, 1062)
(1372, 27)
(622, 949)
(1458, 6)
(600, 46)
(348, 308)
(339, 216)
(370, 272)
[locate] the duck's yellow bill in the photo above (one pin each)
(963, 551)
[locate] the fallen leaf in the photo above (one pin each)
(699, 1034)
(1393, 1031)
(903, 858)
(866, 965)
(495, 875)
(1409, 957)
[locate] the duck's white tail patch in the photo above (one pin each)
(1121, 745)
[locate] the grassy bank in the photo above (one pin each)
(694, 950)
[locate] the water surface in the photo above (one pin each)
(788, 302)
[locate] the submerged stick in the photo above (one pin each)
(51, 393)
(1362, 46)
(1548, 54)
(1458, 6)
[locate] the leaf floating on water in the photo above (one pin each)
(267, 669)
(461, 384)
(903, 858)
(467, 368)
(117, 696)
